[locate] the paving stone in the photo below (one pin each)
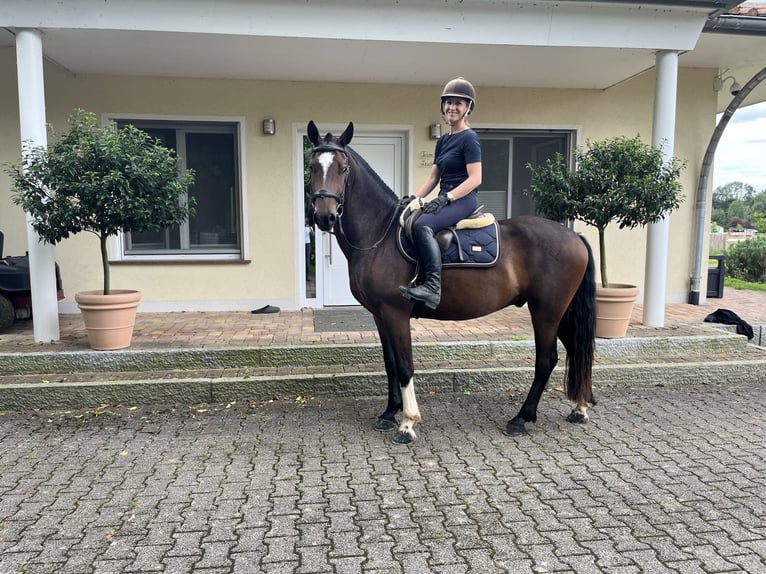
(643, 488)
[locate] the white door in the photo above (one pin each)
(384, 154)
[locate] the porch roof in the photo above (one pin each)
(565, 44)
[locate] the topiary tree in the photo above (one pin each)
(102, 180)
(618, 179)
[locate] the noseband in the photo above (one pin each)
(324, 193)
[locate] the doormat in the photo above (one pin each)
(343, 319)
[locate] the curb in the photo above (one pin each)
(486, 366)
(345, 354)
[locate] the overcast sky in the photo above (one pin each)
(741, 153)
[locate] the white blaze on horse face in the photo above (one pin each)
(325, 160)
(410, 410)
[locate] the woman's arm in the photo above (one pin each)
(430, 183)
(470, 183)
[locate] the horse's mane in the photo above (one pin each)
(370, 172)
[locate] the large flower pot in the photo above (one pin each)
(109, 319)
(614, 306)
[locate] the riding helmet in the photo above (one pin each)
(460, 88)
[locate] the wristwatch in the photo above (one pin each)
(449, 196)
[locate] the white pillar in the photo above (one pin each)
(29, 65)
(663, 132)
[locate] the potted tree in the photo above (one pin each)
(103, 180)
(620, 180)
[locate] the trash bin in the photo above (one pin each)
(715, 276)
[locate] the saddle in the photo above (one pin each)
(473, 241)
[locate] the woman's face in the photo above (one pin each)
(454, 109)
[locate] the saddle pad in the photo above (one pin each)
(469, 247)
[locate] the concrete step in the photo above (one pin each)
(191, 376)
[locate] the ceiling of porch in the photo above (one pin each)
(175, 54)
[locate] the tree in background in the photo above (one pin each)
(737, 205)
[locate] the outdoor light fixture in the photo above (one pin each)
(269, 127)
(435, 131)
(720, 80)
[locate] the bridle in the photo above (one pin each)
(323, 193)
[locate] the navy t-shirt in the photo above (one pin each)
(453, 153)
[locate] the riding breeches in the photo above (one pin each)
(450, 214)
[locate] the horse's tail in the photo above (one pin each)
(577, 330)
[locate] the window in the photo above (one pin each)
(505, 155)
(211, 149)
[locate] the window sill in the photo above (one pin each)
(181, 261)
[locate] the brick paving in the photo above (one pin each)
(236, 329)
(663, 479)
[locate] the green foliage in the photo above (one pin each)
(746, 260)
(737, 205)
(618, 180)
(743, 285)
(102, 180)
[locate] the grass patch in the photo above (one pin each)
(744, 285)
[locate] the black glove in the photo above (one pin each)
(405, 201)
(436, 204)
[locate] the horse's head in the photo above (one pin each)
(329, 169)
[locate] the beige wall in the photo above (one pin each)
(271, 206)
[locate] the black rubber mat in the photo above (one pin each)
(343, 319)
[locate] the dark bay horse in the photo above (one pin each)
(542, 263)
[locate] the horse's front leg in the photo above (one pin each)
(396, 341)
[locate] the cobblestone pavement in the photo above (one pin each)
(665, 479)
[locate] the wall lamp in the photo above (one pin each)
(435, 131)
(720, 80)
(269, 127)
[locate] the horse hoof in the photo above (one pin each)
(401, 438)
(578, 418)
(514, 429)
(385, 425)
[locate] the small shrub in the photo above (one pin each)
(746, 260)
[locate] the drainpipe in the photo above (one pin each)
(702, 184)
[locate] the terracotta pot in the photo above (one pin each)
(109, 319)
(614, 306)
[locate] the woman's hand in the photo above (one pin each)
(435, 205)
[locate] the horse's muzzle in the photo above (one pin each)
(325, 220)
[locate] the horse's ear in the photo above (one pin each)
(345, 137)
(313, 133)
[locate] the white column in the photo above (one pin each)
(663, 132)
(29, 65)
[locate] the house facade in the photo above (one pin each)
(232, 86)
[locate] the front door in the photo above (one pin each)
(384, 153)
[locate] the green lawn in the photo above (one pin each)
(738, 284)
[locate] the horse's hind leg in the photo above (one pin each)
(546, 357)
(579, 413)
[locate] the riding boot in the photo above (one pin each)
(430, 291)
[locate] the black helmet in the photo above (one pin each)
(460, 88)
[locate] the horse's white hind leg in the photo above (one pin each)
(410, 415)
(579, 413)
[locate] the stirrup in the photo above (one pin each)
(429, 298)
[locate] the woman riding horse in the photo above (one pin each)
(457, 169)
